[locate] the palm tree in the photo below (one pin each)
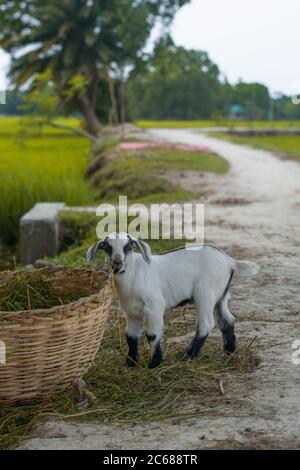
(77, 38)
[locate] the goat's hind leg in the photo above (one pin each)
(195, 346)
(225, 321)
(204, 325)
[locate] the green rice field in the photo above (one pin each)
(39, 166)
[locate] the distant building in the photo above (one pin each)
(237, 112)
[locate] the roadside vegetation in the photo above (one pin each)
(148, 124)
(139, 174)
(286, 146)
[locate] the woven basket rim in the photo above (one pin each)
(44, 312)
(52, 268)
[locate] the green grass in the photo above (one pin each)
(140, 174)
(220, 123)
(285, 146)
(39, 167)
(12, 125)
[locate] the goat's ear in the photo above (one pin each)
(144, 249)
(92, 251)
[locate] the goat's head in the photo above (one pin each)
(118, 249)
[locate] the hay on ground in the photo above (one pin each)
(178, 389)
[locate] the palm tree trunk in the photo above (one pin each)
(123, 104)
(112, 98)
(92, 121)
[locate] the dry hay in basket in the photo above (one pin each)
(32, 289)
(31, 294)
(212, 383)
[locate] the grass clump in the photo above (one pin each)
(76, 226)
(9, 257)
(177, 389)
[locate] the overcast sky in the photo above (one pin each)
(255, 40)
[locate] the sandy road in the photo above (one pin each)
(254, 213)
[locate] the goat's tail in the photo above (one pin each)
(246, 268)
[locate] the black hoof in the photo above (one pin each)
(190, 353)
(194, 348)
(154, 363)
(131, 362)
(229, 350)
(156, 359)
(230, 345)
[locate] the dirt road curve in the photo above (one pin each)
(253, 213)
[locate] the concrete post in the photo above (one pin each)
(40, 232)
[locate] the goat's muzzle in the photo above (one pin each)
(118, 267)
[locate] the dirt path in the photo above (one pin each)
(254, 213)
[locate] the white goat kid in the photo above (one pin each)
(148, 284)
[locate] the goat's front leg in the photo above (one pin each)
(133, 332)
(154, 333)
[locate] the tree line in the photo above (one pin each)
(89, 57)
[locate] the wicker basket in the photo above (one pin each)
(46, 350)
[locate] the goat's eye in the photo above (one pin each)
(128, 247)
(108, 249)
